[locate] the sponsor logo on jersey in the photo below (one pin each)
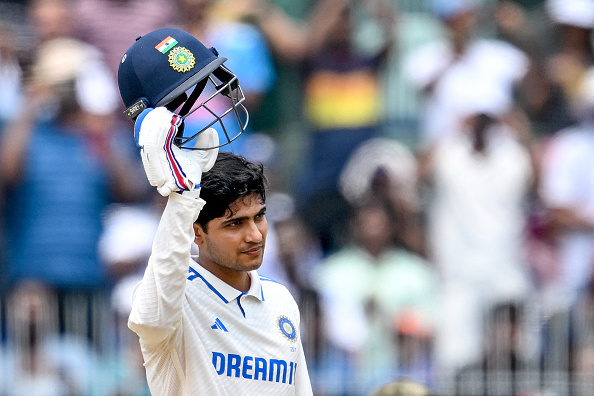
(254, 368)
(218, 325)
(181, 59)
(287, 328)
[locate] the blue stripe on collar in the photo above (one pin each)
(196, 274)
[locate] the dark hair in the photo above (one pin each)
(231, 177)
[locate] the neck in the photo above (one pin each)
(239, 280)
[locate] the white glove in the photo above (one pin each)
(168, 167)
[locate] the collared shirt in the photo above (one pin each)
(223, 290)
(200, 336)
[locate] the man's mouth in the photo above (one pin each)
(254, 251)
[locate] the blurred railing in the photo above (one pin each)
(67, 344)
(71, 343)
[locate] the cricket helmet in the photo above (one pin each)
(170, 67)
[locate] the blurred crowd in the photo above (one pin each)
(431, 177)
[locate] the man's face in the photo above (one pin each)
(234, 242)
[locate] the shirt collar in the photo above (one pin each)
(226, 292)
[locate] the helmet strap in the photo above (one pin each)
(175, 103)
(193, 97)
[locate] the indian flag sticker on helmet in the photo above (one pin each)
(181, 59)
(166, 44)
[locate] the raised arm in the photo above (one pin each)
(158, 299)
(296, 40)
(17, 134)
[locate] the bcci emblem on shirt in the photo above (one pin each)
(287, 328)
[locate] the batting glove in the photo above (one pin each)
(168, 167)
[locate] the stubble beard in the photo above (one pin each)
(218, 258)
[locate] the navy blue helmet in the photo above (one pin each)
(170, 67)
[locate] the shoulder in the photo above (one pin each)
(274, 289)
(266, 280)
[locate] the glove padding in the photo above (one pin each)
(168, 167)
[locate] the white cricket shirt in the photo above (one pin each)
(200, 336)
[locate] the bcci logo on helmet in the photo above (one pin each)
(191, 79)
(181, 59)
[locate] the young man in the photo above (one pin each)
(211, 327)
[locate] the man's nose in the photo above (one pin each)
(253, 233)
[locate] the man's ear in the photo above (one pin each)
(198, 234)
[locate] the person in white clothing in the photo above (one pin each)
(568, 193)
(480, 180)
(449, 73)
(208, 325)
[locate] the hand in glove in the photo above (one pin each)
(168, 167)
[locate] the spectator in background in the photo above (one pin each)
(386, 169)
(557, 103)
(341, 95)
(568, 194)
(56, 19)
(214, 23)
(370, 290)
(535, 30)
(448, 73)
(44, 20)
(480, 178)
(50, 20)
(62, 167)
(110, 25)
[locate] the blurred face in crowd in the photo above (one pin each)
(373, 229)
(51, 19)
(460, 25)
(194, 10)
